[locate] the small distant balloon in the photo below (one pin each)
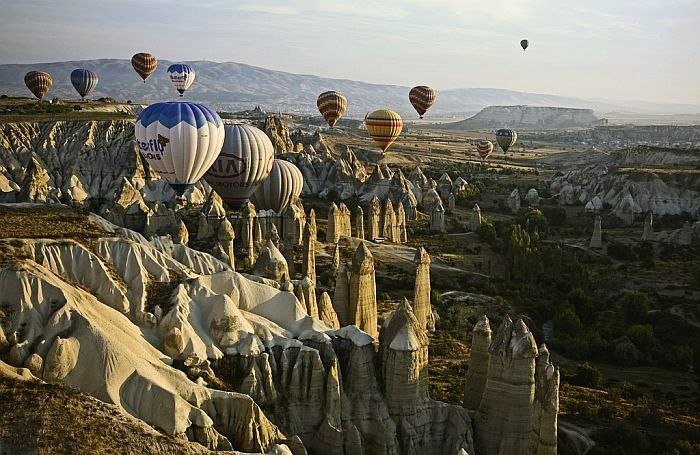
(506, 138)
(181, 76)
(384, 126)
(38, 82)
(332, 106)
(84, 81)
(144, 64)
(421, 98)
(484, 149)
(524, 44)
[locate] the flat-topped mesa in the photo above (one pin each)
(362, 299)
(402, 234)
(271, 263)
(388, 221)
(478, 364)
(359, 223)
(374, 215)
(421, 291)
(403, 347)
(326, 313)
(225, 236)
(180, 234)
(308, 262)
(475, 219)
(333, 226)
(341, 295)
(508, 419)
(597, 237)
(437, 219)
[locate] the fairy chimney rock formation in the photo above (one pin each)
(341, 295)
(180, 235)
(359, 223)
(421, 291)
(225, 235)
(362, 298)
(308, 263)
(311, 223)
(333, 226)
(374, 215)
(401, 224)
(345, 223)
(204, 229)
(388, 221)
(597, 237)
(517, 412)
(308, 289)
(514, 201)
(271, 263)
(437, 218)
(326, 313)
(648, 233)
(273, 235)
(403, 347)
(478, 364)
(533, 197)
(451, 202)
(247, 238)
(475, 219)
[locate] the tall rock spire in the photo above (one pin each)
(308, 264)
(362, 307)
(478, 364)
(421, 291)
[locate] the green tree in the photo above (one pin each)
(635, 306)
(583, 305)
(642, 335)
(588, 376)
(566, 322)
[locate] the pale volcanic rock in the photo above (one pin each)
(359, 223)
(374, 216)
(225, 236)
(344, 227)
(246, 223)
(421, 291)
(648, 232)
(326, 312)
(308, 288)
(401, 224)
(477, 373)
(451, 202)
(431, 198)
(444, 185)
(341, 295)
(626, 209)
(437, 218)
(333, 224)
(514, 201)
(388, 221)
(36, 186)
(597, 236)
(362, 299)
(459, 185)
(180, 234)
(532, 197)
(308, 262)
(475, 219)
(271, 263)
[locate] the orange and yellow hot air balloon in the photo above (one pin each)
(144, 64)
(332, 106)
(384, 126)
(38, 82)
(421, 98)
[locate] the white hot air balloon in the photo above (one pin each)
(179, 140)
(181, 76)
(280, 188)
(245, 160)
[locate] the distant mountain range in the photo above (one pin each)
(234, 86)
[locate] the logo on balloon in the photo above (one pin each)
(227, 166)
(163, 141)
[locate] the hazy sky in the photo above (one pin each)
(618, 49)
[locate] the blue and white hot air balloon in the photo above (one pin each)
(181, 76)
(179, 140)
(84, 81)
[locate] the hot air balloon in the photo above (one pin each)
(245, 161)
(506, 138)
(524, 44)
(38, 82)
(384, 126)
(179, 140)
(84, 81)
(332, 106)
(421, 97)
(181, 76)
(144, 64)
(484, 149)
(280, 188)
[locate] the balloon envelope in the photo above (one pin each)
(181, 76)
(38, 82)
(280, 188)
(179, 140)
(384, 126)
(144, 64)
(506, 138)
(332, 106)
(84, 81)
(524, 44)
(421, 98)
(245, 160)
(484, 149)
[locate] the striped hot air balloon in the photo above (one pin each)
(245, 160)
(332, 106)
(384, 126)
(421, 97)
(181, 76)
(84, 81)
(484, 149)
(280, 188)
(38, 82)
(180, 141)
(144, 64)
(506, 138)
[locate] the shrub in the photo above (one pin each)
(487, 233)
(588, 376)
(566, 322)
(635, 306)
(642, 335)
